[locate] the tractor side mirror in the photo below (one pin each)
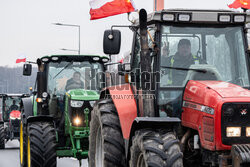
(111, 42)
(27, 69)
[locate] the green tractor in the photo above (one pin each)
(55, 119)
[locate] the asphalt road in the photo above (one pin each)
(9, 157)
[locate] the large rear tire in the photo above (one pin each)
(41, 145)
(23, 145)
(154, 149)
(106, 140)
(2, 137)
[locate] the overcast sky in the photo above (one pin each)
(26, 26)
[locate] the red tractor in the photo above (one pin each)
(186, 101)
(10, 116)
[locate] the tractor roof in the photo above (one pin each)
(74, 56)
(56, 58)
(13, 95)
(198, 16)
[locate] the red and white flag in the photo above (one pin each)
(21, 58)
(240, 4)
(104, 8)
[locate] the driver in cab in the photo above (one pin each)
(13, 106)
(75, 82)
(182, 59)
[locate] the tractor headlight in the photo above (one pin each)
(92, 103)
(248, 131)
(77, 121)
(233, 131)
(75, 103)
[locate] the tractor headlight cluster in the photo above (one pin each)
(75, 103)
(248, 131)
(15, 118)
(233, 131)
(77, 121)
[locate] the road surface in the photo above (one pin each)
(9, 157)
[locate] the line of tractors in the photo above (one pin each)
(162, 115)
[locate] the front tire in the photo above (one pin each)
(154, 149)
(41, 145)
(106, 140)
(2, 137)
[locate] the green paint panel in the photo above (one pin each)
(81, 94)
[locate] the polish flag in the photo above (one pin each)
(240, 4)
(21, 58)
(104, 8)
(121, 61)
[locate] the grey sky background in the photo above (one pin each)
(26, 26)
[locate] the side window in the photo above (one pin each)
(137, 47)
(136, 56)
(135, 65)
(242, 74)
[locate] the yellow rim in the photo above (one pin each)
(28, 152)
(21, 143)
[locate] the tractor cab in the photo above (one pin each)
(186, 99)
(192, 45)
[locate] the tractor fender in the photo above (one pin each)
(28, 109)
(124, 101)
(40, 118)
(150, 123)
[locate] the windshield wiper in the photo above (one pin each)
(63, 69)
(186, 69)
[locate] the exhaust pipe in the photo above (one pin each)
(148, 101)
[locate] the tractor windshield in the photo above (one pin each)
(219, 51)
(10, 103)
(64, 76)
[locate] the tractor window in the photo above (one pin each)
(64, 76)
(223, 62)
(135, 65)
(186, 50)
(137, 47)
(218, 50)
(10, 103)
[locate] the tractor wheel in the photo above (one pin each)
(153, 149)
(2, 136)
(23, 145)
(41, 145)
(106, 140)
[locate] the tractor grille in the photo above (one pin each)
(15, 123)
(235, 115)
(208, 129)
(79, 113)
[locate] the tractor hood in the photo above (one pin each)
(210, 93)
(226, 90)
(81, 94)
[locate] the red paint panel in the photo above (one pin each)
(125, 104)
(212, 94)
(226, 90)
